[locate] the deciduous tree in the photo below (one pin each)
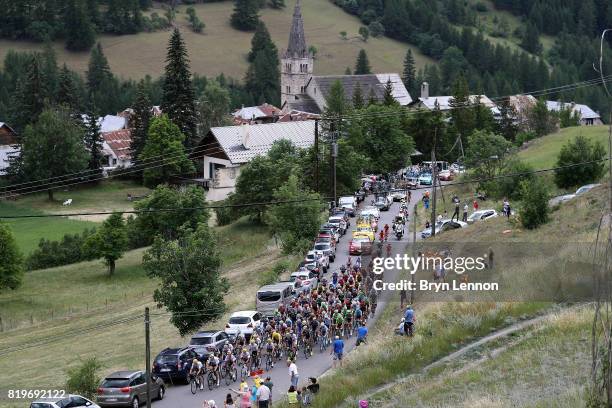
(11, 267)
(189, 272)
(109, 242)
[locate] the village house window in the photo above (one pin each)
(302, 89)
(288, 67)
(287, 89)
(303, 67)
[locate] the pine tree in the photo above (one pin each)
(67, 93)
(347, 71)
(388, 99)
(263, 76)
(80, 34)
(372, 99)
(245, 17)
(93, 12)
(506, 124)
(93, 142)
(102, 86)
(461, 113)
(409, 73)
(30, 96)
(178, 100)
(358, 101)
(277, 4)
(140, 122)
(261, 40)
(531, 39)
(336, 101)
(362, 66)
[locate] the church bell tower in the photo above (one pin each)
(296, 62)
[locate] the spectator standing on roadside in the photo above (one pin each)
(403, 295)
(263, 396)
(456, 212)
(475, 205)
(408, 321)
(268, 383)
(229, 402)
(338, 351)
(506, 208)
(292, 396)
(293, 373)
(465, 212)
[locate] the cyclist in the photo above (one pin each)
(245, 357)
(269, 348)
(212, 365)
(196, 370)
(276, 338)
(386, 231)
(254, 350)
(229, 360)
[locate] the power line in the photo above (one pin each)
(155, 210)
(53, 339)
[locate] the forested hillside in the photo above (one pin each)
(450, 31)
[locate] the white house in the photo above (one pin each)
(588, 116)
(226, 149)
(8, 146)
(445, 102)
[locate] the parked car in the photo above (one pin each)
(321, 259)
(360, 195)
(327, 234)
(412, 182)
(243, 322)
(567, 197)
(425, 179)
(326, 249)
(349, 203)
(360, 245)
(206, 341)
(308, 280)
(341, 212)
(174, 363)
(398, 195)
(443, 225)
(482, 215)
(128, 389)
(72, 401)
(339, 222)
(457, 168)
(446, 175)
(333, 229)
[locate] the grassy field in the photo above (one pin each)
(542, 152)
(83, 296)
(544, 366)
(110, 195)
(221, 49)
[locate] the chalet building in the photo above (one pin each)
(265, 113)
(116, 149)
(231, 147)
(586, 115)
(8, 146)
(303, 91)
(444, 103)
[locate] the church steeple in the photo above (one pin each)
(296, 63)
(297, 40)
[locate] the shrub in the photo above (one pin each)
(534, 205)
(270, 276)
(510, 186)
(523, 137)
(226, 215)
(56, 253)
(575, 152)
(376, 29)
(84, 379)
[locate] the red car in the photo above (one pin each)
(446, 175)
(360, 246)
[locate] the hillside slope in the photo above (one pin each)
(222, 49)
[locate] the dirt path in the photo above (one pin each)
(467, 348)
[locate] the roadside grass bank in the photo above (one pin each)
(440, 329)
(544, 366)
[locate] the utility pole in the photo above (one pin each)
(413, 275)
(334, 155)
(317, 155)
(148, 355)
(434, 175)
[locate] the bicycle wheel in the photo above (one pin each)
(194, 385)
(211, 381)
(268, 363)
(227, 374)
(234, 374)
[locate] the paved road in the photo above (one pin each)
(180, 396)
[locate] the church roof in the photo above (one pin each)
(297, 40)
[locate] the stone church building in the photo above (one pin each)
(303, 91)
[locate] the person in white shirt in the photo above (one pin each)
(293, 373)
(263, 396)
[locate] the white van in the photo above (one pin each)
(270, 297)
(349, 203)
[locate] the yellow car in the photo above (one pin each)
(364, 230)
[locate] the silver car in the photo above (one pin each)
(69, 401)
(128, 389)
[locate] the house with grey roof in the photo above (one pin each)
(305, 92)
(444, 103)
(228, 148)
(587, 116)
